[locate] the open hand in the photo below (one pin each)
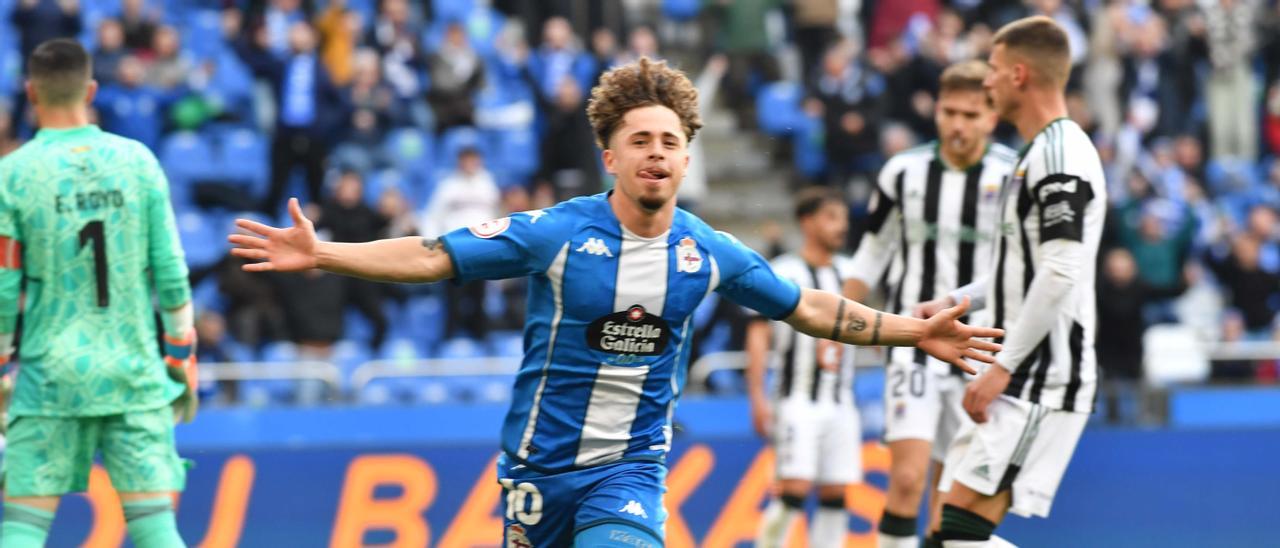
(949, 340)
(762, 418)
(280, 249)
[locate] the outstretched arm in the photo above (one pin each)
(410, 260)
(827, 315)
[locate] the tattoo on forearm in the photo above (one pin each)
(431, 244)
(856, 322)
(875, 331)
(835, 331)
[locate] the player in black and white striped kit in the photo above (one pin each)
(933, 223)
(1031, 407)
(811, 419)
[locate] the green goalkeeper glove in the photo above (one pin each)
(180, 363)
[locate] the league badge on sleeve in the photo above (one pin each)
(687, 257)
(489, 229)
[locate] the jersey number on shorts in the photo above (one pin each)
(517, 495)
(94, 231)
(915, 384)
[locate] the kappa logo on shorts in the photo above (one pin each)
(516, 537)
(634, 509)
(489, 229)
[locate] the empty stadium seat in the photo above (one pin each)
(202, 33)
(203, 238)
(186, 157)
(516, 156)
(506, 343)
(242, 157)
(778, 108)
(461, 348)
(681, 10)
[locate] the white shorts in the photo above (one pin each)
(818, 442)
(1023, 446)
(921, 404)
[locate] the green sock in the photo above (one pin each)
(152, 523)
(24, 526)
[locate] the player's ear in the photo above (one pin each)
(608, 158)
(90, 90)
(30, 89)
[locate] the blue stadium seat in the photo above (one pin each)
(516, 156)
(506, 343)
(206, 296)
(202, 33)
(10, 68)
(203, 238)
(778, 108)
(452, 10)
(426, 316)
(453, 141)
(400, 350)
(186, 157)
(355, 326)
(349, 354)
(681, 10)
(461, 348)
(387, 179)
(410, 149)
(242, 157)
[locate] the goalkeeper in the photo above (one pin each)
(85, 218)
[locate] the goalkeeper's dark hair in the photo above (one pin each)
(638, 84)
(812, 199)
(60, 70)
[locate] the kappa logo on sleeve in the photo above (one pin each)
(489, 229)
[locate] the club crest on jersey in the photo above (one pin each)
(516, 537)
(489, 229)
(687, 257)
(631, 331)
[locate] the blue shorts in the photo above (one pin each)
(544, 510)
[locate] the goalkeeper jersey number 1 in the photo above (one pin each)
(91, 212)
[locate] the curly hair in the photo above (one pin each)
(640, 84)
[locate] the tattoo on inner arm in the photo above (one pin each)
(875, 331)
(835, 331)
(431, 244)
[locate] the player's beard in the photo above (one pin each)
(652, 203)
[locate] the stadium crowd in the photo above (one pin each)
(397, 117)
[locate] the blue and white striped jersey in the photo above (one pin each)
(606, 338)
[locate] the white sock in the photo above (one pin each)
(997, 542)
(776, 524)
(993, 542)
(830, 525)
(890, 541)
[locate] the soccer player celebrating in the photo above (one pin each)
(615, 278)
(812, 421)
(85, 217)
(934, 218)
(1031, 406)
